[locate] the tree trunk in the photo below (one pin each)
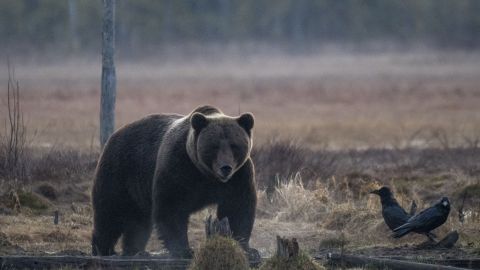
(217, 227)
(73, 24)
(107, 102)
(167, 11)
(225, 17)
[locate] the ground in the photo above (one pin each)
(329, 128)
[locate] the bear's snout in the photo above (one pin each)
(224, 165)
(226, 170)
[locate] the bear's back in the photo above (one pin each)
(128, 161)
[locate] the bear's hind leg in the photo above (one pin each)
(136, 235)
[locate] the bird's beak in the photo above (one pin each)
(375, 192)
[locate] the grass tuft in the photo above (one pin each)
(219, 253)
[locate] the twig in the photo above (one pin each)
(461, 214)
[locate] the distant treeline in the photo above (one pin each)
(76, 24)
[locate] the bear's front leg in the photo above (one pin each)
(239, 207)
(238, 204)
(240, 212)
(172, 230)
(171, 222)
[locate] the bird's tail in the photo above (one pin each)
(401, 231)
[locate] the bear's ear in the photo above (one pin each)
(246, 121)
(198, 121)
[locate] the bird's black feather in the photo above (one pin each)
(393, 214)
(425, 221)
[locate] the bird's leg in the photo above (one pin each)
(431, 236)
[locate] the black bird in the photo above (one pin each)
(393, 214)
(426, 221)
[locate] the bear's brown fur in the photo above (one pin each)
(162, 168)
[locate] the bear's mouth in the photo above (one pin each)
(223, 179)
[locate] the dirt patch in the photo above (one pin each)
(58, 236)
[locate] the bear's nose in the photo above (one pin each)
(226, 170)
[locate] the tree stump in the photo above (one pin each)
(287, 248)
(217, 227)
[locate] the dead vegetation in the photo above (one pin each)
(321, 212)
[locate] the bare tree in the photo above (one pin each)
(73, 25)
(167, 20)
(107, 102)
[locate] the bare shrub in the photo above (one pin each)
(21, 163)
(278, 159)
(61, 163)
(13, 142)
(283, 159)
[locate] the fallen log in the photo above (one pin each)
(465, 263)
(472, 263)
(361, 261)
(88, 262)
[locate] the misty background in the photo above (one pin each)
(329, 73)
(143, 27)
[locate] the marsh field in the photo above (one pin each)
(330, 127)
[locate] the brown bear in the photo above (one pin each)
(158, 170)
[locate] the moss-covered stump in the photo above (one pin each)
(300, 262)
(220, 253)
(32, 201)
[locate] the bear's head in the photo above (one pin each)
(218, 144)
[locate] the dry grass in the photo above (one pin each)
(329, 128)
(323, 215)
(330, 210)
